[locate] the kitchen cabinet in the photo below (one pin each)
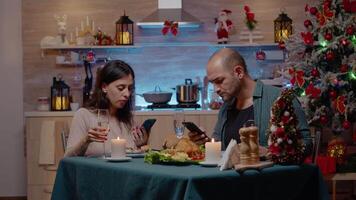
(40, 177)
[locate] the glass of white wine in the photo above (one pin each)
(178, 120)
(103, 122)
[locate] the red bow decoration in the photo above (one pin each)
(170, 26)
(340, 104)
(325, 14)
(297, 76)
(312, 91)
(308, 38)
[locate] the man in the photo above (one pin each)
(244, 100)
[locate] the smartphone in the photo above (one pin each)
(193, 128)
(148, 123)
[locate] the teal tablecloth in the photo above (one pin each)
(92, 178)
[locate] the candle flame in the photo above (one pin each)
(212, 140)
(118, 137)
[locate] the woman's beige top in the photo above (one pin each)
(85, 119)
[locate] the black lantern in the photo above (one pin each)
(124, 31)
(282, 27)
(59, 95)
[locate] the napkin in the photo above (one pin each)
(231, 156)
(47, 143)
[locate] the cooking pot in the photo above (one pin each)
(187, 93)
(157, 96)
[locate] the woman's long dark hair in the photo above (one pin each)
(111, 72)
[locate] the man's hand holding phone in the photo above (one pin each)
(196, 134)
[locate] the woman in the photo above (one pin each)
(114, 87)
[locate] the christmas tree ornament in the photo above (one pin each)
(170, 26)
(332, 94)
(307, 23)
(350, 30)
(344, 68)
(328, 36)
(308, 38)
(344, 41)
(314, 72)
(285, 143)
(337, 149)
(346, 124)
(313, 10)
(330, 56)
(323, 119)
(260, 55)
(281, 45)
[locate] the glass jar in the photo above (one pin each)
(43, 103)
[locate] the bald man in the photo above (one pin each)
(244, 100)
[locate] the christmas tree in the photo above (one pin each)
(322, 64)
(285, 142)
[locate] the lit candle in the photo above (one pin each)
(61, 103)
(212, 151)
(124, 37)
(118, 147)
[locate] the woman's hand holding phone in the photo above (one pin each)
(140, 136)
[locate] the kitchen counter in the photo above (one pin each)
(146, 112)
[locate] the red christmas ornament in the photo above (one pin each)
(333, 94)
(314, 72)
(260, 55)
(344, 68)
(323, 119)
(281, 45)
(330, 56)
(346, 124)
(344, 41)
(307, 23)
(313, 10)
(328, 36)
(350, 30)
(308, 38)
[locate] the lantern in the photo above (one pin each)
(282, 27)
(124, 31)
(59, 95)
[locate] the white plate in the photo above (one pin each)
(208, 164)
(117, 159)
(136, 155)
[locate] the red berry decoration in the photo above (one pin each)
(328, 36)
(314, 72)
(346, 124)
(330, 56)
(333, 94)
(344, 68)
(307, 23)
(323, 119)
(313, 10)
(350, 30)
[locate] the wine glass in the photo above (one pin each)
(103, 122)
(178, 120)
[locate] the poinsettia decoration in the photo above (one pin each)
(170, 26)
(250, 18)
(285, 142)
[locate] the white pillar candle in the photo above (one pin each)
(118, 148)
(212, 151)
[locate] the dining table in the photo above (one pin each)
(83, 178)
